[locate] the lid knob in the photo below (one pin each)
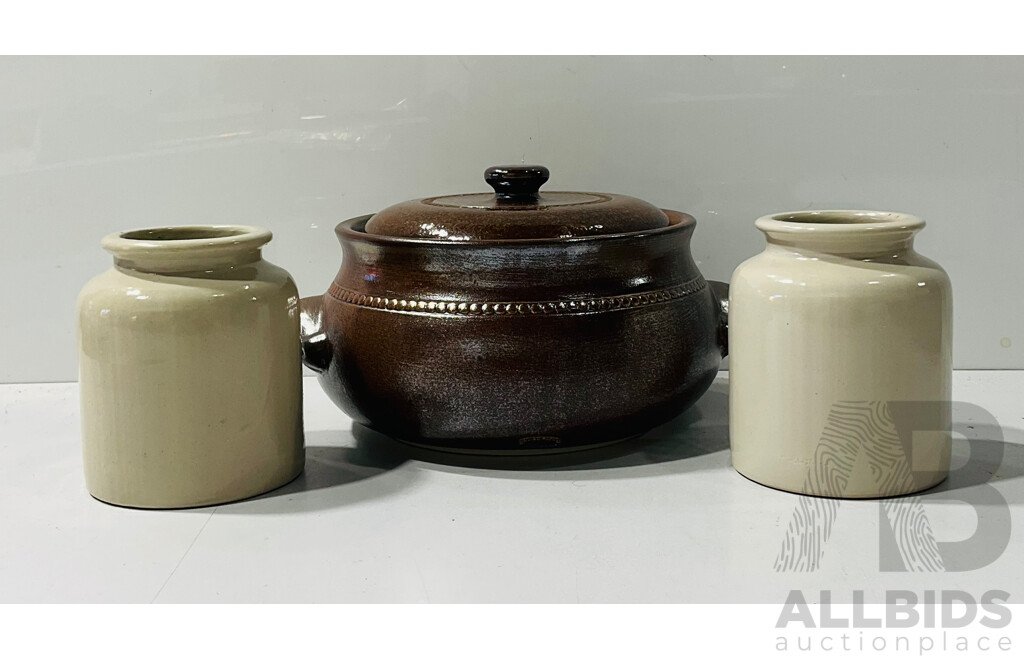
(517, 184)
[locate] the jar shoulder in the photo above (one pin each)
(123, 288)
(808, 273)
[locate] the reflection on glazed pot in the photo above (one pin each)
(504, 344)
(519, 320)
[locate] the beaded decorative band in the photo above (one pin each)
(553, 307)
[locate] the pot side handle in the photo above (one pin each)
(720, 290)
(316, 348)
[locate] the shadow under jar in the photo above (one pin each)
(516, 321)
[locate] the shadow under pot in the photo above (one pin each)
(516, 320)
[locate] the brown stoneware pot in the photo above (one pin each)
(516, 320)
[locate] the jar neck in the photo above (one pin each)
(199, 248)
(845, 247)
(847, 234)
(187, 263)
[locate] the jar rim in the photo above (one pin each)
(179, 248)
(182, 239)
(839, 221)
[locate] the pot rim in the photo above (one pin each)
(347, 229)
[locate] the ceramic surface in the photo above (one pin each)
(189, 369)
(517, 209)
(516, 344)
(834, 329)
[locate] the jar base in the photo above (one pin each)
(875, 495)
(206, 502)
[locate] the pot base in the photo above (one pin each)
(492, 447)
(541, 446)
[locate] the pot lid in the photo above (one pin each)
(516, 210)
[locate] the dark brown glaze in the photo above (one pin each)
(504, 344)
(517, 185)
(516, 210)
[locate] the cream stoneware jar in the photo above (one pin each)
(840, 357)
(189, 369)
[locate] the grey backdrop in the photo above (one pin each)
(94, 145)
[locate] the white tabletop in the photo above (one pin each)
(662, 519)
